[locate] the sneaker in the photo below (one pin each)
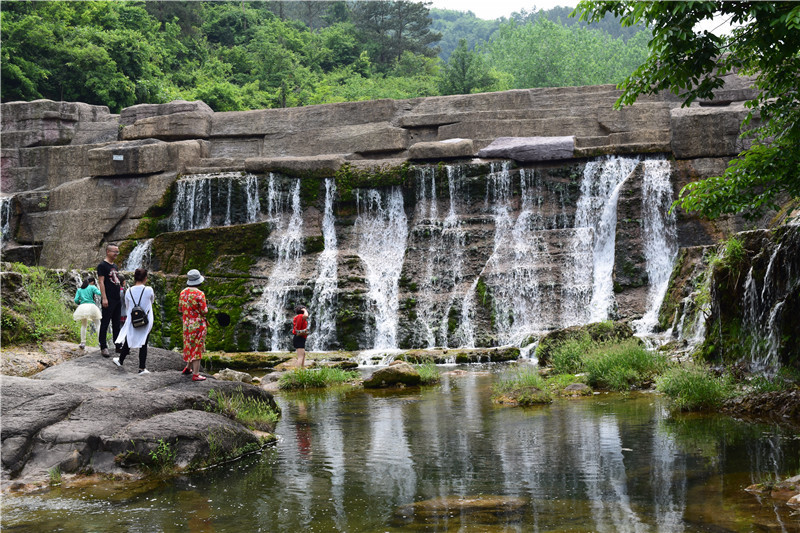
(116, 361)
(198, 377)
(144, 371)
(104, 352)
(82, 346)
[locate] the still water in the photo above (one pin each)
(356, 461)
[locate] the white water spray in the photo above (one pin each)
(323, 302)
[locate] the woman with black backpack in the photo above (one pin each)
(139, 301)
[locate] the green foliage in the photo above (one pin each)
(764, 43)
(311, 378)
(162, 458)
(465, 72)
(567, 357)
(250, 411)
(522, 385)
(54, 475)
(621, 366)
(693, 388)
(429, 373)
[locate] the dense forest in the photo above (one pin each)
(253, 55)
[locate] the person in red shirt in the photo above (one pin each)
(300, 332)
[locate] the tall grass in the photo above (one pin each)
(315, 378)
(693, 388)
(428, 373)
(49, 312)
(523, 385)
(252, 412)
(567, 357)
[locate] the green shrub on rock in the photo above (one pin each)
(521, 386)
(695, 388)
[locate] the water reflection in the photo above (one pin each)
(447, 459)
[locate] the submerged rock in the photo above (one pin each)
(484, 509)
(89, 416)
(396, 374)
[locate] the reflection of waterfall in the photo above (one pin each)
(5, 218)
(323, 302)
(389, 458)
(659, 235)
(140, 255)
(382, 233)
(222, 199)
(286, 241)
(597, 211)
(668, 479)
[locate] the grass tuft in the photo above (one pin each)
(316, 378)
(523, 386)
(252, 412)
(429, 373)
(694, 388)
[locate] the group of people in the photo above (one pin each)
(110, 286)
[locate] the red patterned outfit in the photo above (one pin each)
(193, 307)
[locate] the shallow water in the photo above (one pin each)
(351, 460)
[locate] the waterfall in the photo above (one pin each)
(597, 212)
(659, 237)
(192, 207)
(323, 302)
(208, 200)
(381, 227)
(286, 240)
(5, 218)
(427, 223)
(140, 255)
(761, 310)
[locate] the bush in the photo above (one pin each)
(523, 386)
(623, 365)
(428, 373)
(694, 388)
(311, 378)
(567, 356)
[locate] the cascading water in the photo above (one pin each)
(761, 309)
(140, 255)
(5, 218)
(660, 238)
(597, 212)
(381, 227)
(287, 241)
(323, 302)
(223, 199)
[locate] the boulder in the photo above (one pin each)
(708, 131)
(398, 374)
(87, 414)
(49, 123)
(130, 115)
(449, 149)
(528, 149)
(226, 374)
(597, 331)
(146, 156)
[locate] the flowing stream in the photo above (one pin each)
(446, 459)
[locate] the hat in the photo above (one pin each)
(193, 277)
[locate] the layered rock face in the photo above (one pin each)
(460, 220)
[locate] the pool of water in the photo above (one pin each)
(446, 459)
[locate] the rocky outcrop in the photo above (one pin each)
(87, 415)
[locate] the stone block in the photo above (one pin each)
(147, 156)
(97, 132)
(322, 166)
(708, 131)
(360, 139)
(529, 149)
(47, 123)
(189, 125)
(545, 127)
(130, 115)
(236, 147)
(449, 149)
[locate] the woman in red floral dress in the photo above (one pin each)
(193, 308)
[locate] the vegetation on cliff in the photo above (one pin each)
(255, 55)
(764, 43)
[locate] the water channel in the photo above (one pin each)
(356, 461)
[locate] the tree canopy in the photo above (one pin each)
(765, 43)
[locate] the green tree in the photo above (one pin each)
(390, 28)
(766, 44)
(466, 72)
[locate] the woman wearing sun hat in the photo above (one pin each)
(193, 308)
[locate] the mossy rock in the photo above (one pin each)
(608, 331)
(246, 361)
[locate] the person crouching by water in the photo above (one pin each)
(300, 332)
(132, 337)
(193, 307)
(87, 308)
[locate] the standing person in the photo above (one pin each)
(110, 285)
(300, 332)
(87, 308)
(193, 307)
(132, 337)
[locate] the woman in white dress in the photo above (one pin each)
(132, 337)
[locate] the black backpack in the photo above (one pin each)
(137, 315)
